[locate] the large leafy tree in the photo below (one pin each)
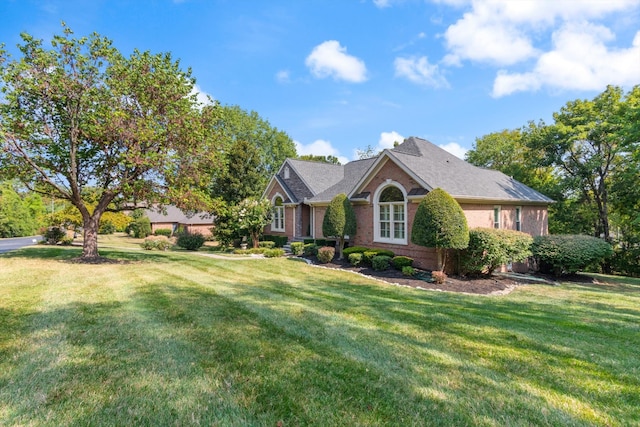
(16, 216)
(339, 220)
(242, 177)
(440, 223)
(80, 114)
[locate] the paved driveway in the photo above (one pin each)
(14, 243)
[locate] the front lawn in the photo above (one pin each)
(173, 338)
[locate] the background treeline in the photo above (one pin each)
(588, 161)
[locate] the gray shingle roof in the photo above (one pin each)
(317, 175)
(175, 215)
(353, 172)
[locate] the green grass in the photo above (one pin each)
(174, 338)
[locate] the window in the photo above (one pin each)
(519, 218)
(390, 214)
(496, 217)
(278, 215)
(286, 172)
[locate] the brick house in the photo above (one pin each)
(385, 192)
(173, 218)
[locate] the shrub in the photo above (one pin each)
(339, 220)
(326, 254)
(297, 248)
(438, 276)
(307, 241)
(279, 240)
(161, 243)
(489, 248)
(268, 244)
(355, 259)
(163, 232)
(385, 252)
(399, 262)
(106, 227)
(626, 261)
(310, 249)
(381, 262)
(367, 257)
(355, 250)
(191, 241)
(274, 253)
(140, 228)
(66, 241)
(567, 254)
(241, 251)
(54, 234)
(407, 270)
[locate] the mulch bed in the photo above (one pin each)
(496, 284)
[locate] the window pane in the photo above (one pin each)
(384, 213)
(398, 230)
(384, 229)
(391, 194)
(398, 212)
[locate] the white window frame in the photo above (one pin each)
(497, 216)
(393, 206)
(278, 214)
(518, 218)
(286, 172)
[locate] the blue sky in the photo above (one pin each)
(340, 75)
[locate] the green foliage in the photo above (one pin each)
(326, 254)
(242, 178)
(339, 220)
(159, 242)
(489, 248)
(354, 250)
(567, 254)
(80, 116)
(367, 256)
(381, 262)
(267, 244)
(106, 227)
(355, 258)
(253, 215)
(273, 252)
(324, 159)
(53, 235)
(66, 241)
(140, 227)
(163, 232)
(226, 228)
(399, 262)
(16, 219)
(310, 249)
(297, 248)
(440, 223)
(279, 240)
(191, 241)
(307, 241)
(407, 270)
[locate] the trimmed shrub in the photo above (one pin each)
(163, 232)
(191, 241)
(280, 241)
(274, 253)
(140, 227)
(407, 270)
(66, 241)
(355, 250)
(161, 243)
(355, 259)
(54, 234)
(438, 276)
(310, 249)
(326, 254)
(307, 241)
(385, 252)
(297, 248)
(367, 257)
(399, 262)
(268, 244)
(339, 220)
(568, 254)
(381, 262)
(489, 248)
(106, 227)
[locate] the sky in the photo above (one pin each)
(339, 76)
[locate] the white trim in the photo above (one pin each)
(376, 214)
(497, 209)
(281, 217)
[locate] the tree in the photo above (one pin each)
(16, 219)
(253, 215)
(440, 223)
(80, 114)
(324, 159)
(366, 153)
(339, 220)
(242, 177)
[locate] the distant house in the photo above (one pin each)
(175, 219)
(385, 192)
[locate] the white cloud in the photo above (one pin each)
(329, 59)
(388, 139)
(202, 97)
(579, 59)
(283, 76)
(319, 147)
(382, 3)
(455, 149)
(420, 71)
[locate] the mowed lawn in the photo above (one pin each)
(184, 339)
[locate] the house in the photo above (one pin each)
(385, 192)
(173, 219)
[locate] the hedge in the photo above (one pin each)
(489, 248)
(569, 253)
(279, 240)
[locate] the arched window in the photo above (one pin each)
(390, 221)
(277, 224)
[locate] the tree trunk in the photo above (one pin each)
(340, 247)
(90, 244)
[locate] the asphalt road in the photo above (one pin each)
(14, 243)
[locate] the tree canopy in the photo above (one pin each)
(80, 114)
(339, 220)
